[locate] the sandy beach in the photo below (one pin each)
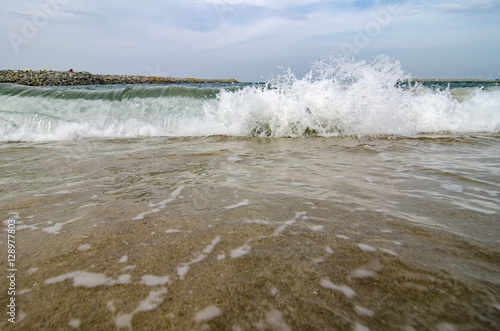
(161, 234)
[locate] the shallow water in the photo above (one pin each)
(255, 233)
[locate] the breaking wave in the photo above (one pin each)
(337, 97)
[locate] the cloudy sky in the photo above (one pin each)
(249, 39)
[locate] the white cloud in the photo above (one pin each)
(242, 37)
(471, 6)
(276, 4)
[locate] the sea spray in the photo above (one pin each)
(337, 97)
(342, 97)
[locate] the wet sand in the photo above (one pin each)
(184, 234)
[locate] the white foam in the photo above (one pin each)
(197, 259)
(124, 321)
(359, 327)
(240, 251)
(140, 216)
(304, 184)
(243, 203)
(445, 326)
(362, 273)
(326, 100)
(129, 267)
(476, 209)
(282, 228)
(490, 193)
(389, 251)
(161, 205)
(343, 237)
(32, 270)
(123, 259)
(207, 314)
(328, 250)
(362, 311)
(386, 157)
(74, 323)
(279, 230)
(369, 180)
(234, 159)
(182, 270)
(20, 226)
(23, 291)
(63, 192)
(300, 214)
(89, 279)
(210, 247)
(22, 315)
(496, 201)
(348, 292)
(15, 215)
(221, 256)
(367, 248)
(84, 247)
(169, 231)
(259, 222)
(317, 227)
(453, 187)
(184, 267)
(154, 299)
(150, 280)
(275, 319)
(111, 306)
(56, 228)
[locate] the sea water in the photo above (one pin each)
(334, 98)
(351, 198)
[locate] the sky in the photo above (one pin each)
(249, 40)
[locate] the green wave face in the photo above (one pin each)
(116, 92)
(334, 99)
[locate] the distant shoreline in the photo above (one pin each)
(29, 77)
(68, 78)
(457, 80)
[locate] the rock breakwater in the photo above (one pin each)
(55, 78)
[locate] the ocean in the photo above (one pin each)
(352, 198)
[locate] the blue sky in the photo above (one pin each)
(249, 39)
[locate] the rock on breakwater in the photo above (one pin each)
(54, 78)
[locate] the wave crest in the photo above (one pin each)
(336, 97)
